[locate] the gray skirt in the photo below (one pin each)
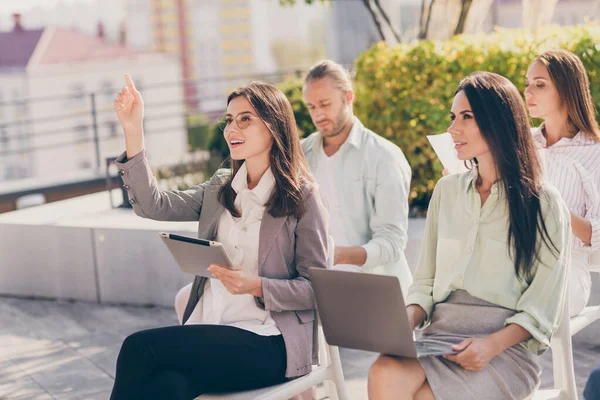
(514, 374)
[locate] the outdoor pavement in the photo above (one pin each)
(67, 350)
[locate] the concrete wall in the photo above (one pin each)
(82, 249)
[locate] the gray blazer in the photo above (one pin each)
(287, 248)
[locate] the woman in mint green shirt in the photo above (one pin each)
(491, 279)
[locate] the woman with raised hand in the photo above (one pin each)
(254, 326)
(491, 278)
(557, 90)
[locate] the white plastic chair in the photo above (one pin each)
(328, 370)
(565, 387)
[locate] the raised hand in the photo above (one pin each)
(129, 107)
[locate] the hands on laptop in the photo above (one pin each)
(416, 315)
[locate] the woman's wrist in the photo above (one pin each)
(256, 290)
(416, 315)
(134, 143)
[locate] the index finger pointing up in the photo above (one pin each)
(129, 82)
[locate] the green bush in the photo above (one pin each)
(293, 91)
(218, 144)
(405, 92)
(200, 136)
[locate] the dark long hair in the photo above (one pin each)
(503, 121)
(287, 160)
(570, 78)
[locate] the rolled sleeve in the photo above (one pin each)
(421, 290)
(373, 250)
(389, 222)
(540, 340)
(541, 305)
(595, 242)
(425, 301)
(591, 186)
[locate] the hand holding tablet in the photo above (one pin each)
(194, 256)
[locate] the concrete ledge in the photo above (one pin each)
(135, 267)
(47, 261)
(83, 249)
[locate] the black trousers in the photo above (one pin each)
(182, 362)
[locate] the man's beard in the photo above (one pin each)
(337, 126)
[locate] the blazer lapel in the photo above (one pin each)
(269, 229)
(207, 229)
(210, 214)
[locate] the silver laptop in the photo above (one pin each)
(367, 312)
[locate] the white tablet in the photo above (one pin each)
(194, 256)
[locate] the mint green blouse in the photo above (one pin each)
(466, 247)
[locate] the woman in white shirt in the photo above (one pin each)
(557, 90)
(491, 277)
(253, 326)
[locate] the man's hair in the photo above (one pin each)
(330, 69)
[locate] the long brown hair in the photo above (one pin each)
(502, 118)
(572, 83)
(287, 161)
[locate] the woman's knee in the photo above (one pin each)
(388, 371)
(134, 348)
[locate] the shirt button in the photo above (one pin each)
(121, 172)
(460, 277)
(132, 201)
(126, 187)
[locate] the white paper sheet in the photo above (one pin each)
(443, 145)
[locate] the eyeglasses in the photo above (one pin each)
(242, 120)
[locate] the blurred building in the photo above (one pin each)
(56, 92)
(165, 26)
(228, 39)
(82, 15)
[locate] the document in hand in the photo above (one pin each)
(443, 145)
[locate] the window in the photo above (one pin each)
(77, 94)
(111, 126)
(81, 133)
(3, 138)
(84, 164)
(107, 91)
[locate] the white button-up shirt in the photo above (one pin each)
(572, 165)
(240, 237)
(373, 179)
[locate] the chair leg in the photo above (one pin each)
(338, 374)
(330, 390)
(562, 357)
(565, 378)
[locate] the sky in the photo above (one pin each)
(26, 5)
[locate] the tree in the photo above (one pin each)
(375, 10)
(451, 17)
(537, 13)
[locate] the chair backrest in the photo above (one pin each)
(330, 252)
(594, 265)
